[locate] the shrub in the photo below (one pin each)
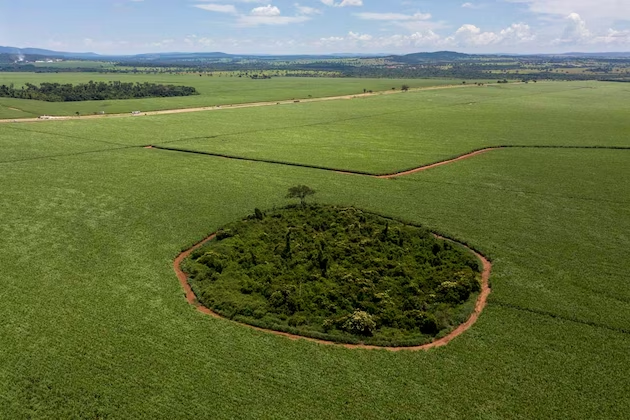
(360, 323)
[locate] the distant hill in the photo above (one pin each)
(46, 53)
(422, 57)
(598, 55)
(438, 56)
(179, 56)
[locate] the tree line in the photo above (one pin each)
(94, 91)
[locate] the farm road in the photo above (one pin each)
(230, 106)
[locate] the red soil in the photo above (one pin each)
(480, 305)
(435, 165)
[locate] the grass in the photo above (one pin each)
(386, 133)
(95, 323)
(213, 91)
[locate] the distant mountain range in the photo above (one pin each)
(46, 53)
(408, 58)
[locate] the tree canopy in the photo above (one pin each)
(94, 91)
(301, 192)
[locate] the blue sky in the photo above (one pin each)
(317, 26)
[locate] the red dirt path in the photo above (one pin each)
(479, 306)
(435, 165)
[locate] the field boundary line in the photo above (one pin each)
(558, 316)
(480, 304)
(392, 175)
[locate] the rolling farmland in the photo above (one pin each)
(213, 91)
(95, 323)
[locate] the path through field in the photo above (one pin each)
(230, 106)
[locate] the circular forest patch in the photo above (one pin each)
(338, 274)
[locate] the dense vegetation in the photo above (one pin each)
(94, 91)
(336, 273)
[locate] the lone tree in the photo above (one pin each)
(405, 88)
(301, 192)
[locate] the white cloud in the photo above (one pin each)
(162, 43)
(306, 10)
(467, 36)
(416, 22)
(575, 31)
(232, 1)
(249, 20)
(472, 36)
(199, 42)
(344, 3)
(366, 41)
(614, 37)
(332, 39)
(472, 6)
(392, 16)
(359, 37)
(262, 15)
(268, 10)
(517, 33)
(219, 8)
(268, 15)
(606, 10)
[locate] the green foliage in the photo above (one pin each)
(335, 271)
(360, 323)
(301, 192)
(91, 91)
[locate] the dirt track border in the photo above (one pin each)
(388, 175)
(323, 168)
(229, 106)
(481, 303)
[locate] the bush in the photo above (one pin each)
(360, 323)
(336, 272)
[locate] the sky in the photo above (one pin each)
(316, 26)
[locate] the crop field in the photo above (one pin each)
(95, 323)
(213, 90)
(404, 130)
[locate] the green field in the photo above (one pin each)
(383, 134)
(95, 324)
(213, 91)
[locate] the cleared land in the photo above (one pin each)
(95, 323)
(213, 91)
